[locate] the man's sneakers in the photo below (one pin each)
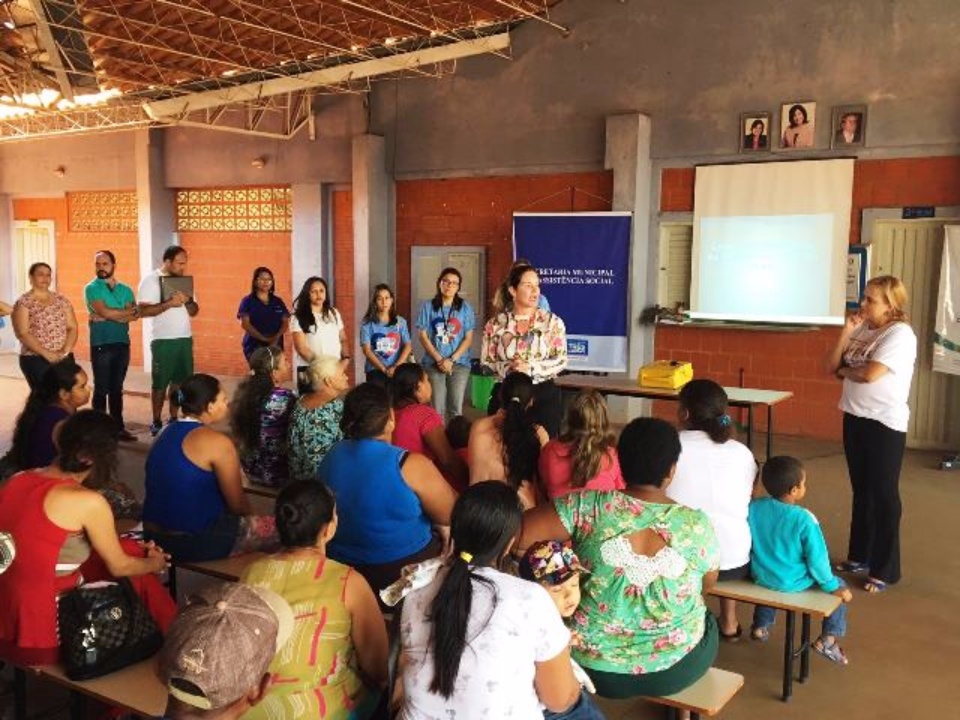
(155, 427)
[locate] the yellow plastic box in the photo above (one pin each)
(666, 374)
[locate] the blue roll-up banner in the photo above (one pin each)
(583, 262)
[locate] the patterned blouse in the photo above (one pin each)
(267, 464)
(638, 614)
(310, 436)
(46, 321)
(543, 345)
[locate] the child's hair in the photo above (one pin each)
(648, 448)
(303, 509)
(366, 412)
(781, 474)
(251, 396)
(484, 520)
(588, 432)
(518, 433)
(705, 403)
(458, 431)
(403, 384)
(549, 562)
(197, 392)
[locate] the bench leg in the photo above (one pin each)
(19, 693)
(788, 655)
(805, 648)
(78, 705)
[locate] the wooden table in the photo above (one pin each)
(736, 396)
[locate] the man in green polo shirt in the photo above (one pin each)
(112, 307)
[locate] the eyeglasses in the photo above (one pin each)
(450, 283)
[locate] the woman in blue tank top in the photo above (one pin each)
(394, 506)
(194, 490)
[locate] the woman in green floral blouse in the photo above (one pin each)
(642, 627)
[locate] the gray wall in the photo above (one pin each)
(693, 67)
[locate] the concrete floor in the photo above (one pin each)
(904, 645)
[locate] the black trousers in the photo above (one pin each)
(110, 363)
(547, 410)
(874, 455)
(33, 367)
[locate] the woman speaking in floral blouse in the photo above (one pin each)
(528, 339)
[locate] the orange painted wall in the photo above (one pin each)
(791, 361)
(479, 211)
(344, 295)
(74, 263)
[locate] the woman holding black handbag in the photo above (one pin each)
(64, 534)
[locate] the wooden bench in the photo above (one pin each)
(260, 490)
(230, 568)
(135, 689)
(707, 696)
(808, 603)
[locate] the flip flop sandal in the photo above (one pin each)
(732, 637)
(832, 652)
(874, 586)
(760, 634)
(852, 566)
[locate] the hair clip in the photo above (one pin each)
(466, 557)
(514, 399)
(179, 396)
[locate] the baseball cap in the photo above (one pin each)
(221, 644)
(550, 562)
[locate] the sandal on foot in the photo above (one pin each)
(852, 566)
(832, 652)
(760, 634)
(874, 586)
(732, 637)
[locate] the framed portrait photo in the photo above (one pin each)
(848, 126)
(754, 131)
(797, 125)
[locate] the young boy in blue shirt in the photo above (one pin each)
(789, 553)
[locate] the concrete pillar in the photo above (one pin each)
(156, 210)
(374, 210)
(308, 240)
(628, 155)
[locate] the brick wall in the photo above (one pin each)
(74, 261)
(479, 211)
(791, 361)
(344, 297)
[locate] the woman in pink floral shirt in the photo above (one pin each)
(44, 323)
(526, 338)
(642, 624)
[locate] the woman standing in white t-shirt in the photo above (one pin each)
(478, 643)
(875, 356)
(317, 328)
(716, 474)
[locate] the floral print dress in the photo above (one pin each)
(267, 464)
(638, 614)
(542, 344)
(311, 434)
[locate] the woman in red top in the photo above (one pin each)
(64, 534)
(419, 428)
(584, 457)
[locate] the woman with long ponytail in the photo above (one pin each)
(518, 654)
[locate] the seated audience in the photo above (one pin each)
(195, 506)
(388, 499)
(472, 627)
(716, 474)
(64, 534)
(643, 624)
(315, 421)
(419, 428)
(61, 391)
(215, 658)
(585, 455)
(789, 553)
(506, 446)
(343, 675)
(259, 415)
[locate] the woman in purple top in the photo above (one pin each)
(259, 415)
(263, 316)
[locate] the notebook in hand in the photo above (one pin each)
(170, 284)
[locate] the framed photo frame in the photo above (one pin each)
(848, 126)
(755, 131)
(798, 120)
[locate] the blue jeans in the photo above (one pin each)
(583, 709)
(110, 363)
(448, 390)
(835, 624)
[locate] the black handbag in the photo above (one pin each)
(104, 627)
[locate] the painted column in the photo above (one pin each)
(308, 240)
(628, 156)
